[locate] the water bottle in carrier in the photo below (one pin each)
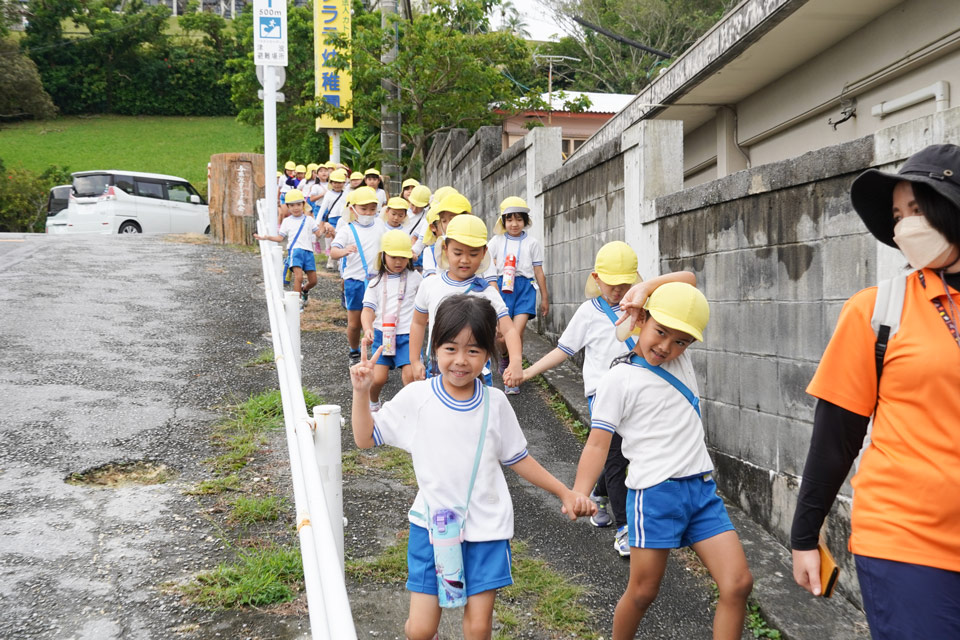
(446, 527)
(509, 272)
(390, 334)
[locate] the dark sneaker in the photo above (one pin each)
(303, 298)
(354, 357)
(602, 517)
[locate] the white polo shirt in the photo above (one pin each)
(528, 251)
(442, 435)
(373, 298)
(591, 329)
(369, 242)
(430, 266)
(289, 227)
(331, 197)
(662, 433)
(434, 290)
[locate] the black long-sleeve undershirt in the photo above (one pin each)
(837, 438)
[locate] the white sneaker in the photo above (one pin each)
(621, 542)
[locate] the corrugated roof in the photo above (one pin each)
(599, 102)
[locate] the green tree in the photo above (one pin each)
(23, 197)
(21, 91)
(610, 66)
(449, 67)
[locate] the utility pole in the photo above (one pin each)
(390, 120)
(550, 60)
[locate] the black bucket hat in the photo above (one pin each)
(937, 166)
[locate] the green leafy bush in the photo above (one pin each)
(23, 197)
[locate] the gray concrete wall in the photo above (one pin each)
(505, 176)
(437, 168)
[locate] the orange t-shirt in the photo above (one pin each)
(906, 500)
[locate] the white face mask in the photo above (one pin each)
(365, 220)
(921, 244)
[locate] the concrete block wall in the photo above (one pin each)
(466, 168)
(505, 176)
(437, 168)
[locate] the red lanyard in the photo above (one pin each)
(942, 311)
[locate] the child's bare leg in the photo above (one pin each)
(520, 322)
(424, 617)
(406, 374)
(723, 556)
(297, 279)
(353, 329)
(646, 572)
(380, 373)
(478, 616)
(311, 280)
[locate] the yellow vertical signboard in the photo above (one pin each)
(331, 17)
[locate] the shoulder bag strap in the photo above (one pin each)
(363, 259)
(297, 235)
(326, 214)
(607, 309)
(885, 321)
(483, 436)
(672, 379)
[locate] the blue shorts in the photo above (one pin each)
(523, 298)
(402, 358)
(905, 600)
(486, 565)
(333, 221)
(676, 513)
(303, 259)
(353, 291)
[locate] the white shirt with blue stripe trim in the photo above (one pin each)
(591, 329)
(662, 434)
(528, 251)
(373, 298)
(369, 240)
(442, 434)
(434, 290)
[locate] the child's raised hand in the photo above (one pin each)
(632, 304)
(361, 374)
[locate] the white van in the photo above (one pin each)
(128, 202)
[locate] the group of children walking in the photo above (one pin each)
(427, 292)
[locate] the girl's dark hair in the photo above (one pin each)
(942, 214)
(526, 217)
(380, 183)
(383, 268)
(473, 312)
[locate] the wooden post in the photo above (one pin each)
(236, 182)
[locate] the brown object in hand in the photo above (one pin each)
(829, 571)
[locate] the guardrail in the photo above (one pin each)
(315, 459)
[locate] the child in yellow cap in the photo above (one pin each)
(592, 329)
(373, 179)
(299, 230)
(650, 399)
(419, 198)
(395, 214)
(357, 242)
(388, 311)
(356, 181)
(463, 254)
(331, 209)
(407, 187)
(516, 260)
(441, 212)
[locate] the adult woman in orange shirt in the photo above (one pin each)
(905, 523)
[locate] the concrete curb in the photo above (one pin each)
(783, 604)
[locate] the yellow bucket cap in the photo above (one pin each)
(454, 203)
(371, 172)
(349, 200)
(313, 166)
(410, 182)
(466, 229)
(395, 243)
(293, 196)
(330, 164)
(301, 168)
(513, 204)
(680, 306)
(441, 193)
(396, 202)
(616, 263)
(356, 175)
(364, 195)
(338, 176)
(420, 196)
(290, 166)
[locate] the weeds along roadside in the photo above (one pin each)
(244, 499)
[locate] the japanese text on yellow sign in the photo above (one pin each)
(333, 86)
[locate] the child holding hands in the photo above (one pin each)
(650, 399)
(452, 424)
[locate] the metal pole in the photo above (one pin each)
(335, 148)
(291, 308)
(328, 451)
(270, 145)
(550, 94)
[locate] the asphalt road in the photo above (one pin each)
(122, 348)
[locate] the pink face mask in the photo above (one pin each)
(921, 244)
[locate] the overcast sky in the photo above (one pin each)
(539, 20)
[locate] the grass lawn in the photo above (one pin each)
(179, 146)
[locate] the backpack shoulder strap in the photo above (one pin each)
(886, 315)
